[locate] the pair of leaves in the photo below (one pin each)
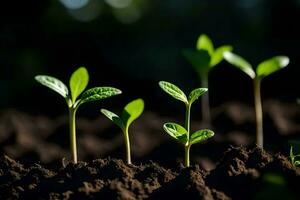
(293, 158)
(180, 133)
(205, 56)
(178, 94)
(130, 113)
(264, 69)
(78, 82)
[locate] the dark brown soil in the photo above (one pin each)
(241, 174)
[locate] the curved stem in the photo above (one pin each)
(127, 143)
(72, 124)
(205, 99)
(258, 113)
(187, 127)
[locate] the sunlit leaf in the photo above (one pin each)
(205, 43)
(176, 131)
(199, 59)
(98, 93)
(201, 135)
(53, 84)
(240, 63)
(297, 163)
(272, 65)
(113, 117)
(196, 93)
(78, 82)
(132, 111)
(173, 90)
(217, 56)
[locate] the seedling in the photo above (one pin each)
(130, 113)
(78, 82)
(294, 158)
(264, 69)
(203, 59)
(182, 134)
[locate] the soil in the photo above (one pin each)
(34, 164)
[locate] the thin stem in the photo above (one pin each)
(205, 99)
(127, 143)
(187, 127)
(258, 113)
(72, 123)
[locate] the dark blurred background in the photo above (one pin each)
(132, 44)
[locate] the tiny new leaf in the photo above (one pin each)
(173, 90)
(132, 111)
(205, 43)
(113, 117)
(53, 84)
(240, 63)
(201, 135)
(271, 65)
(98, 93)
(217, 56)
(78, 82)
(176, 131)
(196, 93)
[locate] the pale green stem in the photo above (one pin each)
(205, 99)
(187, 127)
(72, 123)
(258, 113)
(127, 143)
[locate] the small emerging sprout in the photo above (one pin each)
(182, 134)
(204, 58)
(264, 69)
(78, 82)
(294, 160)
(130, 113)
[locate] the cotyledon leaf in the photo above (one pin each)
(53, 84)
(199, 59)
(176, 131)
(217, 56)
(173, 90)
(98, 93)
(204, 42)
(78, 82)
(201, 135)
(196, 93)
(113, 117)
(132, 111)
(271, 65)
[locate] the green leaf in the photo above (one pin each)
(240, 63)
(272, 65)
(98, 93)
(205, 43)
(132, 111)
(53, 84)
(297, 163)
(196, 93)
(199, 59)
(217, 56)
(173, 90)
(113, 117)
(176, 131)
(78, 82)
(201, 135)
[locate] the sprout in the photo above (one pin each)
(78, 82)
(130, 113)
(182, 134)
(264, 69)
(294, 160)
(203, 59)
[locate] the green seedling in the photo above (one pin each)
(204, 58)
(182, 134)
(264, 69)
(78, 82)
(294, 158)
(130, 113)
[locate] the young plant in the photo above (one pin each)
(264, 69)
(130, 113)
(204, 58)
(78, 82)
(294, 158)
(182, 134)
